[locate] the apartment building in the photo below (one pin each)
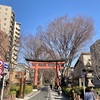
(95, 55)
(7, 19)
(9, 25)
(16, 39)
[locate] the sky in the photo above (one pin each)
(31, 13)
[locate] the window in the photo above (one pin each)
(82, 83)
(6, 8)
(89, 59)
(5, 18)
(17, 76)
(4, 23)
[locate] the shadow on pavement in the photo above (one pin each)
(44, 89)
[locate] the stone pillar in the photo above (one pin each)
(89, 74)
(80, 82)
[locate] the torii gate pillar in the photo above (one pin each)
(35, 76)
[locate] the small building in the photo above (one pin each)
(20, 71)
(83, 63)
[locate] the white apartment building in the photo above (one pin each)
(16, 39)
(12, 29)
(95, 55)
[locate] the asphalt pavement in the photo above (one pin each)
(53, 95)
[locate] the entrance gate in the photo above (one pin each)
(46, 64)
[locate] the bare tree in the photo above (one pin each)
(49, 74)
(31, 47)
(64, 37)
(3, 45)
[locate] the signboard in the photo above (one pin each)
(6, 66)
(1, 63)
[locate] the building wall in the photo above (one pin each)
(78, 72)
(95, 54)
(16, 76)
(86, 58)
(78, 69)
(7, 20)
(5, 17)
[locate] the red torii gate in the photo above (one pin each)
(46, 64)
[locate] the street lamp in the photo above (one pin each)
(89, 75)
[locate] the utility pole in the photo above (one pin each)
(24, 81)
(2, 87)
(2, 77)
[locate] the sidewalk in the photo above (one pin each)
(29, 95)
(54, 95)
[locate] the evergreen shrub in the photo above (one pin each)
(28, 89)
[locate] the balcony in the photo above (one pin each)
(17, 41)
(16, 49)
(15, 58)
(17, 37)
(12, 24)
(15, 53)
(13, 15)
(17, 33)
(16, 44)
(18, 28)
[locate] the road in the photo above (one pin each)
(44, 94)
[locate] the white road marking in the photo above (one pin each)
(33, 95)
